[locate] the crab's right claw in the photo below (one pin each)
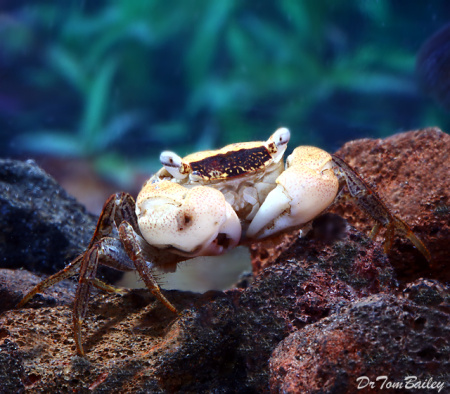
(194, 222)
(305, 189)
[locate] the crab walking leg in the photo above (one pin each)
(368, 200)
(106, 219)
(126, 210)
(110, 218)
(108, 252)
(105, 287)
(118, 207)
(67, 272)
(88, 270)
(133, 248)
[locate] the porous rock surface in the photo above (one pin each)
(381, 335)
(329, 307)
(411, 173)
(42, 227)
(219, 341)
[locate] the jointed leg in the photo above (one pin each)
(130, 240)
(117, 208)
(124, 254)
(67, 272)
(88, 270)
(375, 230)
(116, 243)
(108, 251)
(102, 248)
(368, 200)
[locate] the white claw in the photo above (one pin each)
(305, 189)
(274, 205)
(196, 221)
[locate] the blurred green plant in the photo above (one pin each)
(131, 77)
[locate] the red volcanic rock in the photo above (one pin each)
(220, 341)
(411, 173)
(381, 335)
(324, 309)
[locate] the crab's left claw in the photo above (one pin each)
(306, 188)
(191, 222)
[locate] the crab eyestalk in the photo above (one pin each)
(277, 143)
(173, 164)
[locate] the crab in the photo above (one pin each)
(210, 202)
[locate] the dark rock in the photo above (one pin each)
(220, 341)
(43, 228)
(15, 283)
(12, 373)
(381, 335)
(332, 297)
(429, 292)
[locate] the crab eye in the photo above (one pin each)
(277, 143)
(281, 136)
(173, 164)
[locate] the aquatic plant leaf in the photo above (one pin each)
(379, 11)
(50, 142)
(17, 36)
(116, 129)
(96, 105)
(125, 35)
(216, 94)
(269, 37)
(67, 66)
(240, 46)
(115, 168)
(377, 82)
(204, 43)
(297, 14)
(169, 132)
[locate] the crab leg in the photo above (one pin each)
(88, 270)
(103, 228)
(368, 200)
(132, 245)
(102, 247)
(67, 272)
